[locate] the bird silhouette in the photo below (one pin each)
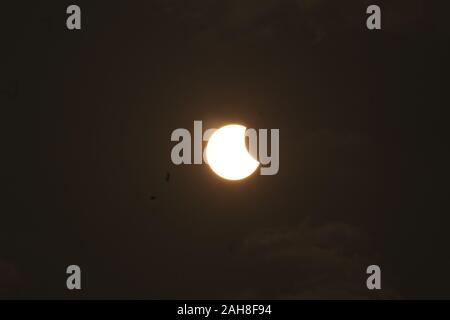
(152, 197)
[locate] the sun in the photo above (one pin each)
(227, 153)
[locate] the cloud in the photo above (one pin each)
(309, 261)
(320, 16)
(305, 21)
(9, 280)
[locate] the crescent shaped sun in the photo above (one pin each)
(227, 153)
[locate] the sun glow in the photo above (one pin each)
(227, 153)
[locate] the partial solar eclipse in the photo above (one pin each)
(227, 153)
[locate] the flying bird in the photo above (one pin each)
(167, 176)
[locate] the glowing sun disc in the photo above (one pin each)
(227, 154)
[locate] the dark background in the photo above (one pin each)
(86, 118)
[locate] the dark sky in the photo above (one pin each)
(86, 123)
